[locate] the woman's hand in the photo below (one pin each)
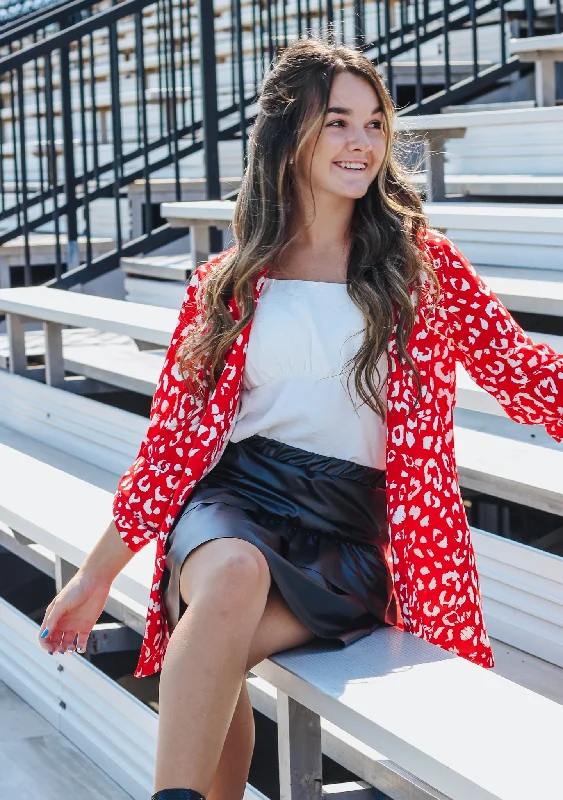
(75, 610)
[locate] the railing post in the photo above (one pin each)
(359, 35)
(73, 255)
(330, 21)
(210, 118)
(530, 17)
(241, 83)
(23, 156)
(389, 64)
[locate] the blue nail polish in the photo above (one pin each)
(50, 653)
(45, 633)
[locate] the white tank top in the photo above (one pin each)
(294, 388)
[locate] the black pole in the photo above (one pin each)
(530, 17)
(210, 117)
(72, 252)
(358, 24)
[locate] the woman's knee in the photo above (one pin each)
(231, 571)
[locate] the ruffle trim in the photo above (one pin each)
(296, 529)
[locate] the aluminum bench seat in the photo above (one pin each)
(460, 728)
(392, 691)
(523, 583)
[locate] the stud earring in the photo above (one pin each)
(291, 160)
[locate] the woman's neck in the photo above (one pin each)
(301, 263)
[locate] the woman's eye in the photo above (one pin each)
(376, 122)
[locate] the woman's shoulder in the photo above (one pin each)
(208, 266)
(446, 258)
(437, 243)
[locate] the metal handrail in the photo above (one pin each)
(72, 33)
(67, 146)
(37, 20)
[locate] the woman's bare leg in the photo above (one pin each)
(226, 582)
(232, 771)
(279, 629)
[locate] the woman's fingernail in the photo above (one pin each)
(70, 649)
(62, 652)
(44, 634)
(50, 652)
(81, 649)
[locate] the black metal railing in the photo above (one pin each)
(53, 17)
(97, 97)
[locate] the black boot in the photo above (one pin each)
(177, 794)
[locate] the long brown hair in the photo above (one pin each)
(385, 261)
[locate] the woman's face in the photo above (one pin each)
(351, 132)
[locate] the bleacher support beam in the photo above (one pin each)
(16, 338)
(64, 571)
(54, 363)
(299, 751)
(435, 152)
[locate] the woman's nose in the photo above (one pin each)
(361, 143)
(359, 140)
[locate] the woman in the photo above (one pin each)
(299, 473)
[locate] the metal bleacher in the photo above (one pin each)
(106, 190)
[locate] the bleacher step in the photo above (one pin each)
(533, 291)
(505, 106)
(45, 453)
(512, 186)
(503, 234)
(42, 248)
(106, 357)
(172, 268)
(33, 746)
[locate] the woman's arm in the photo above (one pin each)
(78, 605)
(145, 491)
(526, 378)
(137, 512)
(110, 555)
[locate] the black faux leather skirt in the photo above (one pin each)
(320, 522)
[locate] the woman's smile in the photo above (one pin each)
(354, 171)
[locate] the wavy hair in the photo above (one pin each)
(386, 260)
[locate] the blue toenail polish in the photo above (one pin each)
(44, 634)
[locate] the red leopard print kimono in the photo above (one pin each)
(433, 562)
